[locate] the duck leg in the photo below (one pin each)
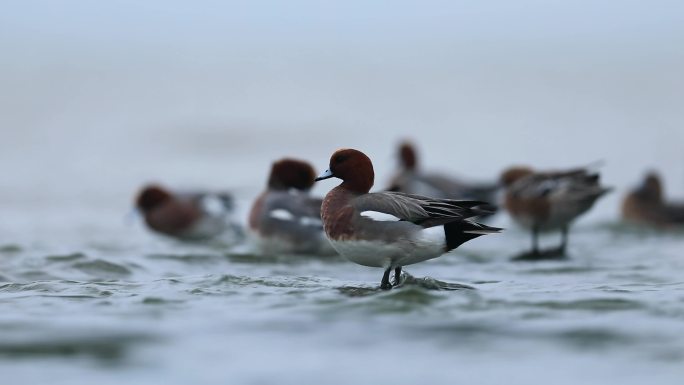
(385, 283)
(397, 276)
(564, 240)
(535, 240)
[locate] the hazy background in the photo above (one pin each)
(97, 98)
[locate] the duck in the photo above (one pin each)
(390, 230)
(192, 216)
(411, 179)
(549, 201)
(646, 205)
(285, 218)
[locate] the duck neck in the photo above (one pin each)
(357, 186)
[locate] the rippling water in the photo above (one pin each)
(124, 305)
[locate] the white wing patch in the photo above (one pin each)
(212, 205)
(550, 187)
(310, 221)
(281, 214)
(379, 216)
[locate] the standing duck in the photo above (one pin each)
(548, 201)
(390, 230)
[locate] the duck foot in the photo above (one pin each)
(385, 283)
(397, 277)
(541, 255)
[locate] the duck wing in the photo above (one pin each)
(424, 211)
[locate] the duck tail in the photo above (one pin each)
(460, 232)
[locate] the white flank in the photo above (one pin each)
(281, 214)
(432, 238)
(367, 253)
(379, 216)
(417, 247)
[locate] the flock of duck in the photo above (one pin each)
(420, 215)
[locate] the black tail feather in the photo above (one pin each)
(486, 209)
(460, 232)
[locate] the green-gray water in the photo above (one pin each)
(132, 306)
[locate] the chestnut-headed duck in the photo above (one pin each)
(187, 215)
(391, 229)
(646, 205)
(285, 219)
(411, 179)
(548, 201)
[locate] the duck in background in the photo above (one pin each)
(285, 219)
(548, 201)
(646, 205)
(188, 216)
(411, 180)
(390, 230)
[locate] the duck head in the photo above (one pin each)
(353, 167)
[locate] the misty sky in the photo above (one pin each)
(119, 92)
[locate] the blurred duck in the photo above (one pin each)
(646, 205)
(547, 201)
(285, 219)
(187, 216)
(411, 180)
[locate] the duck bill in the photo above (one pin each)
(326, 175)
